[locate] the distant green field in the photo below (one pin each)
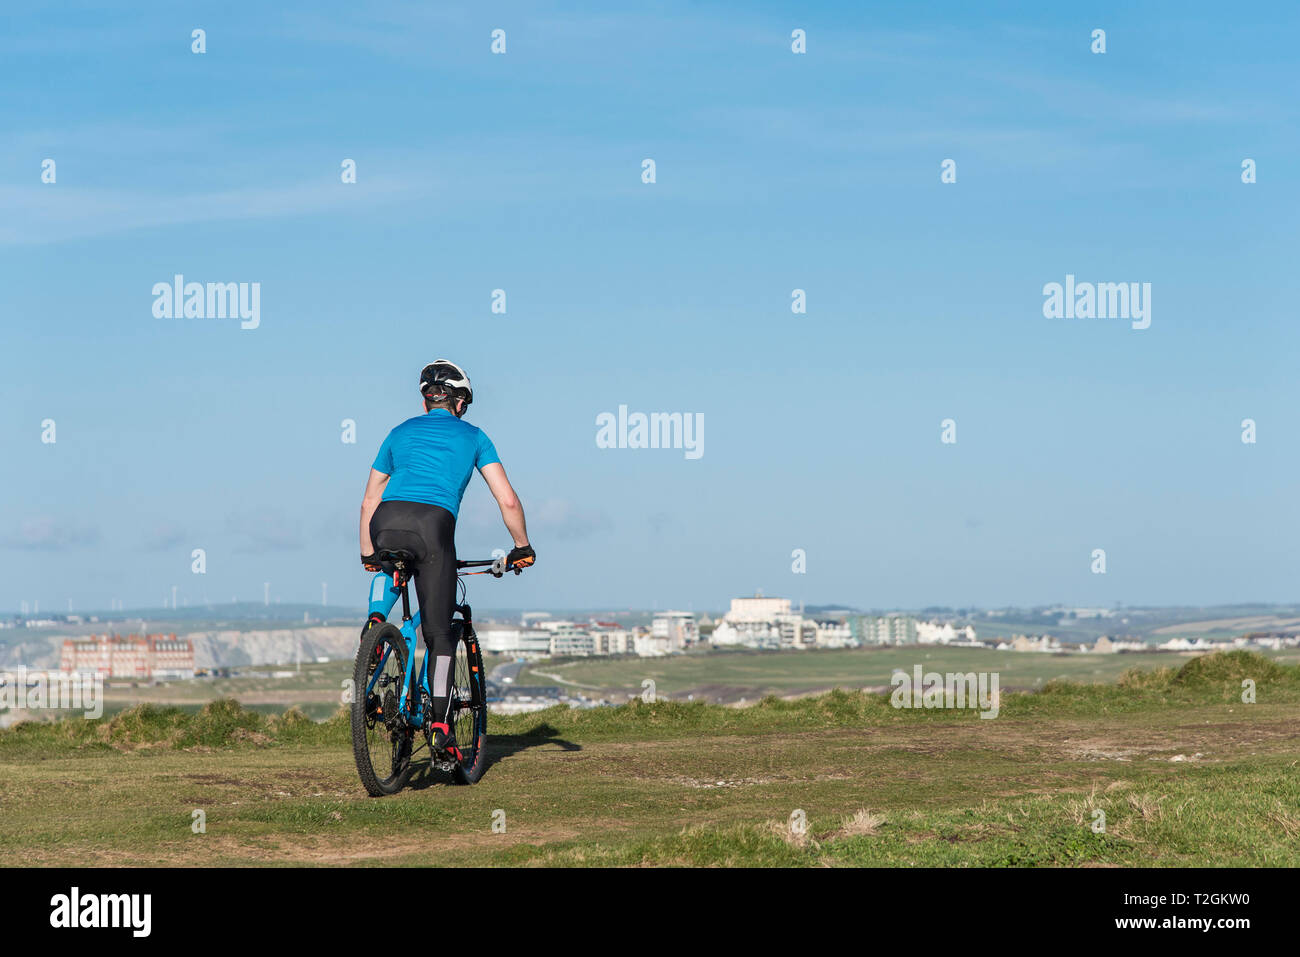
(726, 676)
(319, 678)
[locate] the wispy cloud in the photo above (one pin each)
(47, 214)
(162, 538)
(41, 534)
(399, 30)
(265, 530)
(567, 521)
(553, 518)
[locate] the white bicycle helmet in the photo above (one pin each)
(444, 377)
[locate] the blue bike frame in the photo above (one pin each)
(383, 595)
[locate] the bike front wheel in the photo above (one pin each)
(468, 706)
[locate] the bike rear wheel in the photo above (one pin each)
(381, 739)
(467, 709)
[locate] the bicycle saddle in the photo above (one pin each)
(397, 558)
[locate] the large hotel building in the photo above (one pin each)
(130, 658)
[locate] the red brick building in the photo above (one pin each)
(133, 658)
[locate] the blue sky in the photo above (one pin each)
(775, 171)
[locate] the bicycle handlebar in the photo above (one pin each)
(499, 566)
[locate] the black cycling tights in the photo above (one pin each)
(427, 531)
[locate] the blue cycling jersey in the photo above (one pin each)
(431, 457)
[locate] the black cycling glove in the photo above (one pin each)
(521, 556)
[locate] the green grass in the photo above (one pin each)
(1185, 772)
(316, 687)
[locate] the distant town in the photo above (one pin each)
(755, 622)
(772, 624)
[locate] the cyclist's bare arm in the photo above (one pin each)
(512, 513)
(369, 502)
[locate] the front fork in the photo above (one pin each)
(414, 682)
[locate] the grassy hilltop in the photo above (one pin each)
(1185, 772)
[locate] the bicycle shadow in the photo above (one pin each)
(507, 745)
(499, 747)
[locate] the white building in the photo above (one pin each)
(751, 634)
(761, 622)
(513, 640)
(833, 634)
(576, 642)
(887, 630)
(610, 639)
(756, 609)
(1107, 645)
(934, 633)
(796, 632)
(648, 645)
(1043, 643)
(1193, 644)
(677, 630)
(726, 634)
(1275, 642)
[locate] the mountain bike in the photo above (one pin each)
(391, 701)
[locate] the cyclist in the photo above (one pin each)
(414, 492)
